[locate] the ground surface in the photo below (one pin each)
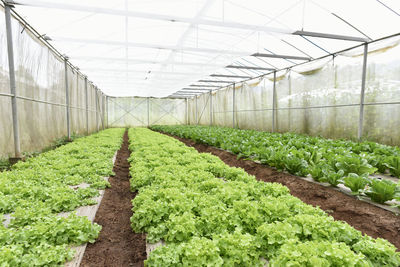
(117, 245)
(365, 217)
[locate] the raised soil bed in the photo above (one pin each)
(365, 217)
(117, 244)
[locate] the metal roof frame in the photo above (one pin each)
(202, 85)
(145, 61)
(214, 81)
(248, 67)
(230, 76)
(174, 19)
(280, 56)
(195, 89)
(194, 22)
(331, 36)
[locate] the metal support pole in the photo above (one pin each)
(102, 111)
(148, 111)
(107, 111)
(13, 91)
(67, 98)
(187, 111)
(211, 109)
(233, 105)
(197, 122)
(274, 103)
(363, 78)
(97, 107)
(87, 106)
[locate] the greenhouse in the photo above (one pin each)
(199, 133)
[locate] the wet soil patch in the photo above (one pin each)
(117, 245)
(367, 218)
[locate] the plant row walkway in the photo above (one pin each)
(117, 244)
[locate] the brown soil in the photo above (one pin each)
(117, 244)
(363, 216)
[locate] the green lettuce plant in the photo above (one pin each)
(34, 192)
(324, 159)
(356, 182)
(209, 214)
(381, 191)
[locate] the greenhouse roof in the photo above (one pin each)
(156, 48)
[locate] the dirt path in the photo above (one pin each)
(365, 217)
(117, 245)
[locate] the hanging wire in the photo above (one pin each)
(266, 62)
(351, 25)
(388, 7)
(288, 60)
(295, 47)
(339, 17)
(308, 40)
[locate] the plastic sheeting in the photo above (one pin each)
(141, 48)
(143, 111)
(318, 98)
(41, 97)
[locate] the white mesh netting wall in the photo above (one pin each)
(318, 98)
(143, 111)
(41, 98)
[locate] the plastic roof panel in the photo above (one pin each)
(132, 47)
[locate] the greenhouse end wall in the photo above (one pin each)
(41, 94)
(318, 98)
(144, 111)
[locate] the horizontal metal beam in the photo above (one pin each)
(214, 81)
(145, 61)
(141, 71)
(178, 93)
(197, 89)
(183, 95)
(152, 46)
(331, 36)
(174, 19)
(230, 76)
(151, 16)
(188, 93)
(192, 91)
(178, 97)
(206, 50)
(280, 56)
(201, 85)
(248, 67)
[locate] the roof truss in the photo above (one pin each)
(201, 85)
(169, 18)
(280, 56)
(214, 81)
(248, 67)
(195, 89)
(231, 76)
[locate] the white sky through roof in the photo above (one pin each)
(136, 56)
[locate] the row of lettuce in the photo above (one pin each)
(210, 214)
(5, 163)
(325, 160)
(34, 192)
